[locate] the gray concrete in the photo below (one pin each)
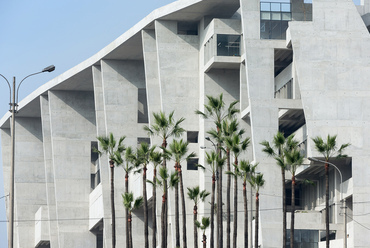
(151, 68)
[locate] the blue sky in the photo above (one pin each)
(38, 33)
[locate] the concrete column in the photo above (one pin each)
(72, 118)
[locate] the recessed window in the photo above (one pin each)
(94, 166)
(187, 28)
(228, 45)
(142, 113)
(192, 137)
(192, 164)
(143, 140)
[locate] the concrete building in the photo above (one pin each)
(297, 67)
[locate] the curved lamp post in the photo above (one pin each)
(13, 109)
(341, 198)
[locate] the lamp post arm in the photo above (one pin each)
(10, 89)
(16, 100)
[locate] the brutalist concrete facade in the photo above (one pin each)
(297, 67)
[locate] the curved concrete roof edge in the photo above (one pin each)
(154, 15)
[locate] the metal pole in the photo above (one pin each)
(345, 223)
(11, 207)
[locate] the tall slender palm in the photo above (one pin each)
(128, 167)
(213, 160)
(110, 147)
(328, 150)
(142, 162)
(178, 151)
(156, 159)
(257, 182)
(164, 181)
(276, 150)
(128, 199)
(203, 226)
(165, 127)
(236, 146)
(196, 195)
(215, 110)
(294, 159)
(229, 129)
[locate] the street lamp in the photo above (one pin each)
(13, 109)
(341, 193)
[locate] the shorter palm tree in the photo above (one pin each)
(128, 199)
(110, 147)
(195, 195)
(156, 158)
(257, 182)
(213, 160)
(164, 181)
(203, 226)
(294, 159)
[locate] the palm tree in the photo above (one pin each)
(129, 158)
(165, 127)
(236, 146)
(142, 161)
(213, 160)
(257, 182)
(203, 226)
(156, 159)
(164, 181)
(195, 195)
(110, 147)
(229, 129)
(178, 150)
(128, 198)
(294, 159)
(215, 109)
(276, 150)
(328, 150)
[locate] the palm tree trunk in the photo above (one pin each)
(228, 201)
(111, 163)
(184, 242)
(284, 205)
(293, 214)
(213, 211)
(256, 221)
(235, 212)
(163, 222)
(219, 209)
(195, 227)
(146, 231)
(327, 205)
(154, 210)
(177, 217)
(127, 231)
(164, 145)
(129, 220)
(245, 215)
(204, 241)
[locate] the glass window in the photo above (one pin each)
(192, 164)
(228, 45)
(285, 7)
(192, 137)
(265, 7)
(286, 16)
(275, 7)
(265, 16)
(276, 16)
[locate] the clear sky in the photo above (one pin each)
(38, 33)
(35, 34)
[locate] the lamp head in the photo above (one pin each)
(208, 138)
(49, 68)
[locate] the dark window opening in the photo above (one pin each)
(143, 140)
(228, 45)
(274, 19)
(187, 28)
(142, 113)
(94, 166)
(192, 137)
(192, 164)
